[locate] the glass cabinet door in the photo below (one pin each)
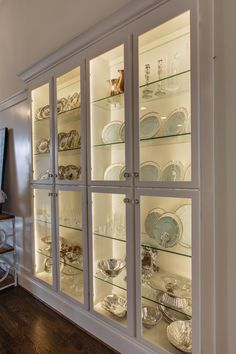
(70, 243)
(166, 272)
(164, 109)
(107, 116)
(43, 240)
(68, 123)
(109, 256)
(41, 137)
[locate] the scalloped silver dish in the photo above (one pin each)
(179, 334)
(115, 304)
(42, 146)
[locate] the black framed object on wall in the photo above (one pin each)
(3, 144)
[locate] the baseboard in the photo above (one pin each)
(84, 319)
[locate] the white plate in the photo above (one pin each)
(150, 171)
(113, 172)
(149, 125)
(168, 230)
(173, 171)
(122, 132)
(151, 221)
(176, 122)
(187, 175)
(111, 132)
(185, 214)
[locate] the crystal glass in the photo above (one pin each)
(160, 91)
(147, 92)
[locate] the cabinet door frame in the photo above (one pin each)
(37, 84)
(130, 261)
(195, 264)
(77, 62)
(157, 17)
(99, 48)
(50, 189)
(83, 191)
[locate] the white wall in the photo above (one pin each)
(32, 29)
(225, 191)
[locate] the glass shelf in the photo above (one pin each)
(177, 249)
(154, 140)
(109, 237)
(59, 151)
(118, 281)
(183, 87)
(165, 78)
(110, 103)
(60, 225)
(73, 265)
(155, 297)
(71, 113)
(44, 252)
(159, 284)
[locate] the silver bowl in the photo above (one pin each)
(111, 267)
(115, 304)
(150, 316)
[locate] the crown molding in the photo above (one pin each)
(117, 20)
(13, 100)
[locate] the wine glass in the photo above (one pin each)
(160, 91)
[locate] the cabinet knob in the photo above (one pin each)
(136, 174)
(127, 200)
(126, 174)
(50, 175)
(135, 201)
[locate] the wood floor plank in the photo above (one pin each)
(27, 326)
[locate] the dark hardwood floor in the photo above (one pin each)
(27, 326)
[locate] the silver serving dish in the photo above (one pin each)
(172, 315)
(111, 267)
(173, 301)
(150, 316)
(179, 334)
(115, 304)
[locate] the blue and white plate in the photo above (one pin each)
(150, 171)
(149, 125)
(151, 221)
(111, 132)
(177, 122)
(168, 230)
(172, 172)
(113, 172)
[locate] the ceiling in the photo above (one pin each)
(32, 29)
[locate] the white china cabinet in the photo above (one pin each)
(115, 182)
